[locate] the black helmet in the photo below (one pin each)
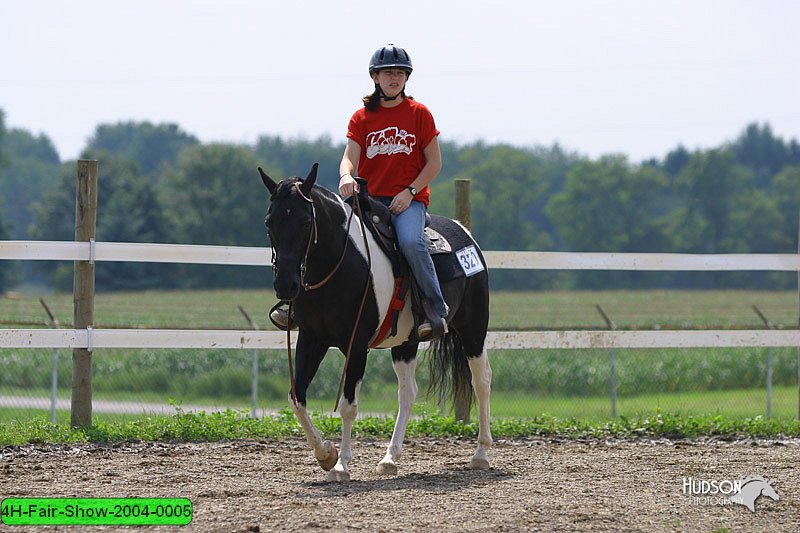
(390, 56)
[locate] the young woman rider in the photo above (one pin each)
(392, 143)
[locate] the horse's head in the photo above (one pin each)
(290, 224)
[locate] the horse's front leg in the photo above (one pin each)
(348, 410)
(307, 360)
(405, 364)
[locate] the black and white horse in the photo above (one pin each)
(311, 239)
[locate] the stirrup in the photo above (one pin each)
(428, 331)
(280, 317)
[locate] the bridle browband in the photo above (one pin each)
(309, 287)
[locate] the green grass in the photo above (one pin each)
(531, 310)
(564, 384)
(735, 404)
(184, 426)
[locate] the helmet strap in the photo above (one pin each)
(390, 98)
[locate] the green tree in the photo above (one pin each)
(711, 185)
(508, 188)
(611, 206)
(758, 149)
(724, 211)
(128, 211)
(786, 187)
(295, 157)
(32, 170)
(215, 196)
(7, 268)
(3, 264)
(150, 145)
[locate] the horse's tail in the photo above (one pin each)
(449, 370)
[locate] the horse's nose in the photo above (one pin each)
(286, 289)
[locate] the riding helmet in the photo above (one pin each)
(390, 56)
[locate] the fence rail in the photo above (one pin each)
(261, 256)
(91, 339)
(84, 251)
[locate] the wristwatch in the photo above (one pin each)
(412, 189)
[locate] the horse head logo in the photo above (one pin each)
(752, 488)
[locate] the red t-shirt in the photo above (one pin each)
(392, 141)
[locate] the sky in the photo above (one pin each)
(594, 76)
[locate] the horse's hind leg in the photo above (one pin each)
(472, 321)
(405, 364)
(482, 385)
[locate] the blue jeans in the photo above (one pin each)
(409, 226)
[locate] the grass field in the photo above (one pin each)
(740, 403)
(562, 383)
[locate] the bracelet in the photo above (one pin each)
(345, 174)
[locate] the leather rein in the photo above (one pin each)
(312, 286)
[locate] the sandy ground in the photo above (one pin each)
(533, 485)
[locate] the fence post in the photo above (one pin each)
(54, 369)
(463, 203)
(769, 361)
(254, 385)
(463, 215)
(612, 361)
(83, 293)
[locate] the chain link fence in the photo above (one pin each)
(588, 383)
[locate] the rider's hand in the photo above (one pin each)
(401, 202)
(347, 186)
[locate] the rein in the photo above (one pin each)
(308, 287)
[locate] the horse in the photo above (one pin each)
(751, 488)
(314, 239)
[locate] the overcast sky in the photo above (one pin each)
(636, 77)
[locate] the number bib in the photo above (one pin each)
(470, 261)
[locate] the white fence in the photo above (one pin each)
(254, 256)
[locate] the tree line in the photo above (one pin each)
(160, 184)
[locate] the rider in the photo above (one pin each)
(392, 143)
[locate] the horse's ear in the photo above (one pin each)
(308, 183)
(271, 185)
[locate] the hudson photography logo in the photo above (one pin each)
(743, 491)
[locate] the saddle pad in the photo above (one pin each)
(448, 267)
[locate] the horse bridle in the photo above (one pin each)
(309, 287)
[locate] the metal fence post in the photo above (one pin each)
(254, 386)
(83, 293)
(54, 372)
(769, 362)
(612, 361)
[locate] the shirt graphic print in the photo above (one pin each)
(389, 141)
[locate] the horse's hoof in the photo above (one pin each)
(331, 456)
(478, 463)
(338, 475)
(386, 469)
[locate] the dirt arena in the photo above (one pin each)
(533, 485)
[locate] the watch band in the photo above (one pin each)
(412, 189)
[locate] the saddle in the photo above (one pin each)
(378, 220)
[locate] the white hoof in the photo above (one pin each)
(338, 475)
(386, 468)
(328, 460)
(479, 463)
